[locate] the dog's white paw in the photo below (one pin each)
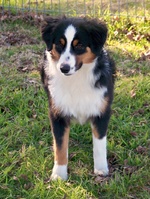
(101, 171)
(59, 172)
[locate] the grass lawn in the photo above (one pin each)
(79, 7)
(26, 155)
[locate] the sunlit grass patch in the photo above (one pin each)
(94, 8)
(26, 155)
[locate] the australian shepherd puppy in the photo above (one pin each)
(78, 76)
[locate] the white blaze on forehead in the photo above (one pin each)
(66, 57)
(69, 34)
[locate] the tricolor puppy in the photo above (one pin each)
(78, 77)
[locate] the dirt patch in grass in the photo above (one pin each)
(15, 39)
(23, 60)
(27, 60)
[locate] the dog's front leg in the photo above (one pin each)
(99, 129)
(60, 130)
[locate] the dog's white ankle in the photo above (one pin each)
(101, 171)
(59, 172)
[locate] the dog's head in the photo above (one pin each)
(73, 42)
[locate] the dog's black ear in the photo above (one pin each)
(98, 33)
(47, 31)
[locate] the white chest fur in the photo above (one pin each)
(76, 95)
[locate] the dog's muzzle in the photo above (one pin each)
(67, 70)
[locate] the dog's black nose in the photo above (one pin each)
(65, 68)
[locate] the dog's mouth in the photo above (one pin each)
(79, 66)
(67, 74)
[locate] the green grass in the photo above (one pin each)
(26, 156)
(94, 8)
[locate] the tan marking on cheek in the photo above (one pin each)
(54, 53)
(75, 42)
(86, 57)
(62, 41)
(61, 153)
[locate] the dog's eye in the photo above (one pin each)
(79, 46)
(61, 44)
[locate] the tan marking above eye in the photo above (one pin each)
(62, 41)
(75, 42)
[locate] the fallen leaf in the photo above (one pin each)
(133, 133)
(24, 177)
(116, 18)
(144, 56)
(129, 169)
(72, 155)
(101, 179)
(141, 150)
(48, 187)
(47, 180)
(130, 35)
(15, 178)
(125, 162)
(138, 112)
(147, 189)
(138, 37)
(3, 186)
(116, 33)
(42, 143)
(28, 185)
(132, 93)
